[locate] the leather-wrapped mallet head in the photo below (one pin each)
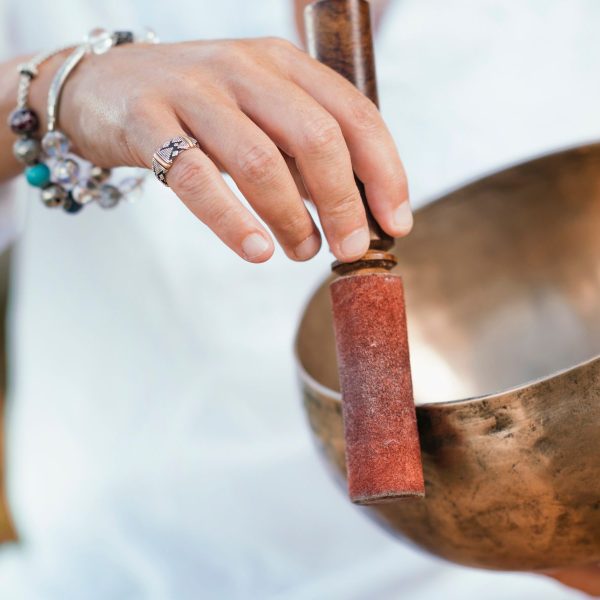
(383, 456)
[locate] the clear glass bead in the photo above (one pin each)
(109, 196)
(148, 36)
(55, 144)
(131, 188)
(99, 40)
(66, 172)
(27, 150)
(85, 192)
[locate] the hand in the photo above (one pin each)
(584, 579)
(280, 123)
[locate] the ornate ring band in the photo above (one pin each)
(163, 158)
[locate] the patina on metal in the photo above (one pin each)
(503, 300)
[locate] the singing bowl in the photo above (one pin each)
(502, 280)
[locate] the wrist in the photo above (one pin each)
(38, 93)
(37, 100)
(9, 82)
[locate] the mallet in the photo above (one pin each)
(383, 456)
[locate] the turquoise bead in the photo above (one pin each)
(38, 175)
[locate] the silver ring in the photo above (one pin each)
(162, 159)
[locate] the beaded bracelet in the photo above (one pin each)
(50, 166)
(23, 120)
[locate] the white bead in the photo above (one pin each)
(66, 172)
(149, 36)
(55, 144)
(131, 188)
(100, 41)
(85, 192)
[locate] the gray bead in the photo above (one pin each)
(27, 150)
(66, 172)
(54, 195)
(109, 196)
(99, 175)
(85, 192)
(55, 144)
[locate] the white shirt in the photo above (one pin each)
(156, 443)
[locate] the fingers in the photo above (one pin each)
(295, 172)
(259, 170)
(283, 128)
(199, 184)
(304, 130)
(374, 154)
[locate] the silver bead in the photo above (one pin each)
(99, 175)
(99, 40)
(66, 172)
(55, 144)
(54, 195)
(85, 192)
(109, 196)
(27, 150)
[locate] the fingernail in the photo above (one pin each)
(308, 248)
(254, 245)
(356, 244)
(403, 218)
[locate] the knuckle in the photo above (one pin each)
(295, 226)
(138, 108)
(280, 44)
(192, 178)
(233, 47)
(139, 115)
(364, 114)
(322, 135)
(259, 164)
(231, 52)
(344, 206)
(282, 53)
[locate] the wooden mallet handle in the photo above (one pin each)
(339, 35)
(383, 457)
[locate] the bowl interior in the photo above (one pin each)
(502, 282)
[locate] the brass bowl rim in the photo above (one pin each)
(327, 392)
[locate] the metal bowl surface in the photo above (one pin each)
(502, 280)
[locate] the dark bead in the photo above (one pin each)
(71, 206)
(23, 120)
(122, 37)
